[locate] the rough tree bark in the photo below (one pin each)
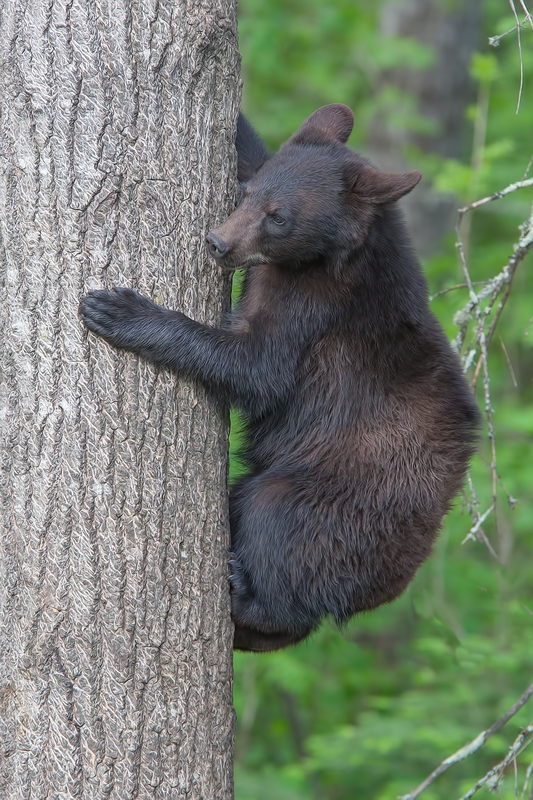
(116, 157)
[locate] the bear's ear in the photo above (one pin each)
(329, 123)
(251, 150)
(380, 187)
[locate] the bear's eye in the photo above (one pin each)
(277, 218)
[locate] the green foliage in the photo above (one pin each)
(370, 711)
(302, 54)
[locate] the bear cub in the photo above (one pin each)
(360, 424)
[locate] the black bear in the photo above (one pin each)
(360, 424)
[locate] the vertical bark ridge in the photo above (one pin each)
(116, 131)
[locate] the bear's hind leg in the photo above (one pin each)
(271, 605)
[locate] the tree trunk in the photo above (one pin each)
(117, 125)
(444, 92)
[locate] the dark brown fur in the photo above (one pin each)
(360, 423)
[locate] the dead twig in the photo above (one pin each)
(474, 746)
(519, 38)
(494, 775)
(452, 288)
(494, 41)
(513, 187)
(484, 308)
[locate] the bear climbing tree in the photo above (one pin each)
(360, 421)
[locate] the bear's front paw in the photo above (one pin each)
(121, 316)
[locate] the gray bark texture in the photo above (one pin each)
(117, 123)
(444, 92)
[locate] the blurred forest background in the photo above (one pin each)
(368, 712)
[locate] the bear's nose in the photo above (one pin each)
(217, 246)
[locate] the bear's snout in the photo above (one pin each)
(217, 246)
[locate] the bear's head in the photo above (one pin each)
(312, 202)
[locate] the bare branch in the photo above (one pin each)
(452, 288)
(496, 196)
(509, 363)
(476, 527)
(519, 37)
(484, 308)
(494, 41)
(529, 17)
(529, 772)
(496, 772)
(481, 315)
(474, 746)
